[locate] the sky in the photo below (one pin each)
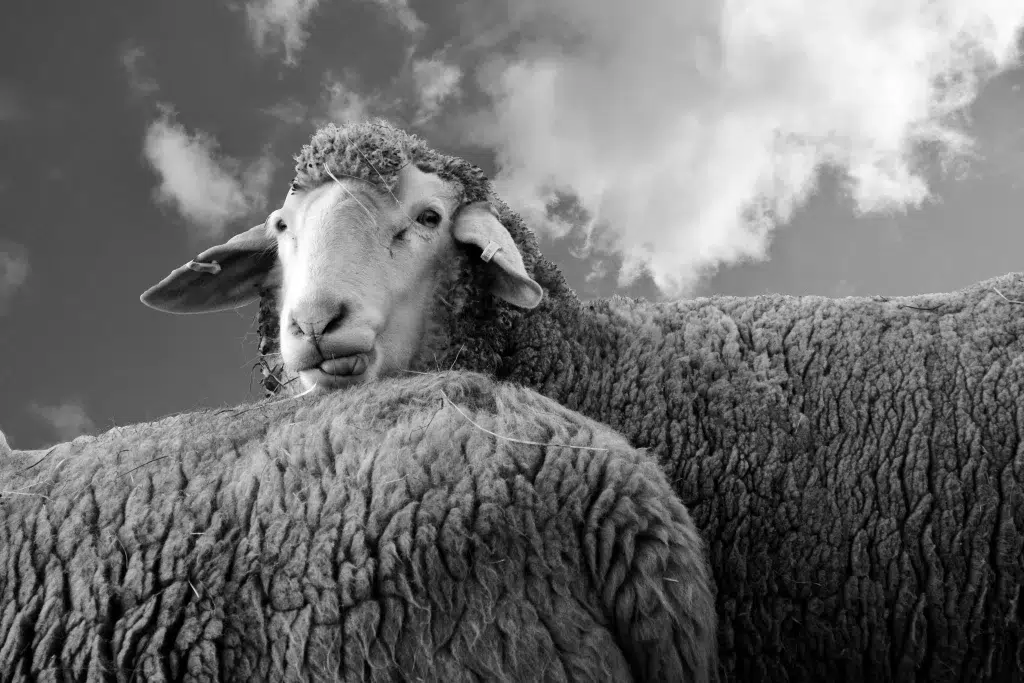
(659, 148)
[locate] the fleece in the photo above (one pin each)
(854, 465)
(433, 528)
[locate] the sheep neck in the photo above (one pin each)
(577, 353)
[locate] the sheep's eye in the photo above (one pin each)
(280, 226)
(429, 218)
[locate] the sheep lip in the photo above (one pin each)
(345, 366)
(322, 381)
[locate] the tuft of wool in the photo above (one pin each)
(381, 534)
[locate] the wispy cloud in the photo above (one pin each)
(66, 420)
(400, 12)
(280, 23)
(343, 103)
(436, 81)
(205, 186)
(689, 130)
(415, 97)
(14, 271)
(141, 84)
(291, 112)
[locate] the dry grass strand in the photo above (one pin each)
(512, 439)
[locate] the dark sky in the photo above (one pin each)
(99, 103)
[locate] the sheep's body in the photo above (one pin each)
(372, 535)
(854, 465)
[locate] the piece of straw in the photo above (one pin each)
(509, 438)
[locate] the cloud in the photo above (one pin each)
(689, 130)
(14, 271)
(141, 84)
(344, 104)
(66, 420)
(435, 81)
(290, 111)
(280, 22)
(206, 187)
(402, 14)
(432, 81)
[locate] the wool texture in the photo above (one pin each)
(854, 465)
(370, 535)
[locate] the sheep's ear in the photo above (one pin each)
(476, 224)
(226, 276)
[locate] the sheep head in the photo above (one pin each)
(380, 255)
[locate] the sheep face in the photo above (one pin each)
(360, 272)
(365, 269)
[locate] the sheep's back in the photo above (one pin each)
(376, 534)
(855, 465)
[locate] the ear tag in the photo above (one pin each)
(490, 251)
(212, 268)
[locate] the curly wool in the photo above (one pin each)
(374, 535)
(374, 152)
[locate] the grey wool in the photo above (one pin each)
(393, 532)
(853, 465)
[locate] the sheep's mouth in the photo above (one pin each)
(345, 366)
(342, 371)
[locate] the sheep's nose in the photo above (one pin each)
(316, 317)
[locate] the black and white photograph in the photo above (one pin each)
(510, 341)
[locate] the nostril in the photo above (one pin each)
(294, 328)
(317, 321)
(335, 322)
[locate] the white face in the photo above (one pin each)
(360, 274)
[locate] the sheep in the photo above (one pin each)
(852, 464)
(431, 528)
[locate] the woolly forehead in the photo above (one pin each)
(375, 152)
